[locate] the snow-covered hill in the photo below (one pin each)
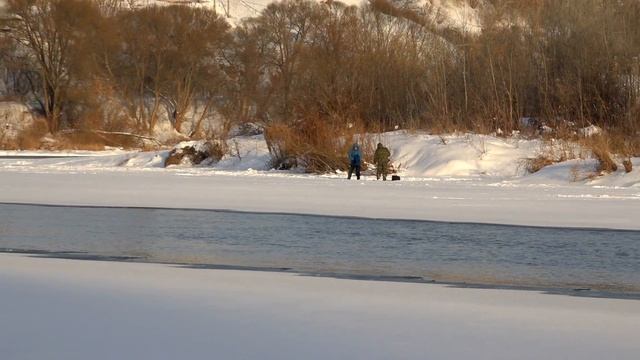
(461, 15)
(233, 10)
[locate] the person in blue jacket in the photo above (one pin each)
(355, 160)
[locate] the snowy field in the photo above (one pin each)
(470, 178)
(67, 309)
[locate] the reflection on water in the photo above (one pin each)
(492, 254)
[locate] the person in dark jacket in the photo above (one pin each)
(381, 159)
(355, 160)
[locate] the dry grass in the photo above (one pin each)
(80, 141)
(213, 150)
(86, 139)
(283, 146)
(553, 152)
(602, 146)
(605, 162)
(316, 145)
(31, 137)
(5, 142)
(536, 164)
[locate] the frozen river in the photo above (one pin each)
(607, 260)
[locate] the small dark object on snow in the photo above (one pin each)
(395, 178)
(628, 165)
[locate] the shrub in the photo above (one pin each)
(31, 137)
(552, 152)
(317, 145)
(82, 140)
(196, 154)
(600, 147)
(605, 162)
(5, 142)
(283, 146)
(536, 164)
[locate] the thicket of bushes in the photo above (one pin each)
(309, 70)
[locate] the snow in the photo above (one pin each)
(455, 14)
(199, 146)
(590, 130)
(445, 14)
(547, 198)
(69, 309)
(420, 155)
(247, 153)
(233, 10)
(463, 178)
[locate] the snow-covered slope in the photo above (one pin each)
(233, 10)
(461, 15)
(414, 156)
(422, 155)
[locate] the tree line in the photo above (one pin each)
(312, 68)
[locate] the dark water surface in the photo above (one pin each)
(606, 260)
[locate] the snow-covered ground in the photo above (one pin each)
(67, 309)
(58, 154)
(469, 178)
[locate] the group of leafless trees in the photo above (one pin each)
(303, 64)
(569, 61)
(103, 64)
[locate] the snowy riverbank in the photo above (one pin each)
(67, 309)
(468, 179)
(427, 199)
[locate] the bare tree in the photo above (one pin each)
(196, 37)
(47, 29)
(285, 27)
